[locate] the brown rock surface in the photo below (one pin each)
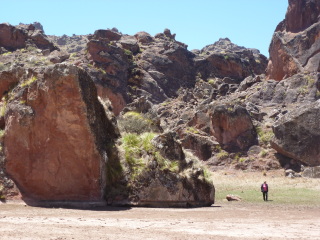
(226, 59)
(16, 37)
(55, 137)
(295, 45)
(301, 14)
(232, 126)
(12, 38)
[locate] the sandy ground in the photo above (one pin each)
(228, 220)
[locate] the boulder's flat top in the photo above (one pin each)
(222, 221)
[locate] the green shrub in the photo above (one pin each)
(192, 130)
(127, 52)
(2, 67)
(264, 135)
(7, 53)
(28, 81)
(263, 153)
(3, 109)
(223, 155)
(134, 122)
(211, 81)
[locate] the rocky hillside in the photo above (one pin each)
(141, 120)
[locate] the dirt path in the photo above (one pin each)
(224, 221)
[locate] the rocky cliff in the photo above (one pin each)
(141, 120)
(295, 44)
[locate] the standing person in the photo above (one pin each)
(264, 190)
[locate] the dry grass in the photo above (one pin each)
(282, 190)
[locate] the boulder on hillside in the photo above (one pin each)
(297, 134)
(17, 37)
(232, 127)
(201, 146)
(295, 44)
(56, 137)
(144, 37)
(111, 35)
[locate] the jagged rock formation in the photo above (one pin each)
(56, 134)
(21, 36)
(213, 104)
(226, 59)
(295, 44)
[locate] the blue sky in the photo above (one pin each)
(197, 23)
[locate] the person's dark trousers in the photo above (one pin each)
(265, 196)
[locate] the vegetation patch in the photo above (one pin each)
(28, 81)
(3, 108)
(134, 122)
(222, 155)
(282, 190)
(192, 130)
(139, 153)
(264, 135)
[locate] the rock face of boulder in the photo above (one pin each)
(56, 136)
(295, 45)
(164, 187)
(297, 134)
(232, 126)
(300, 88)
(16, 37)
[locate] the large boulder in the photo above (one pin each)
(56, 137)
(171, 178)
(300, 88)
(232, 127)
(297, 134)
(295, 44)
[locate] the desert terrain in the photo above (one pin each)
(290, 213)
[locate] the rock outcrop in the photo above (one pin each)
(167, 65)
(226, 59)
(21, 36)
(56, 136)
(295, 45)
(232, 126)
(297, 134)
(114, 62)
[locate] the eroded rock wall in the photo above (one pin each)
(295, 45)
